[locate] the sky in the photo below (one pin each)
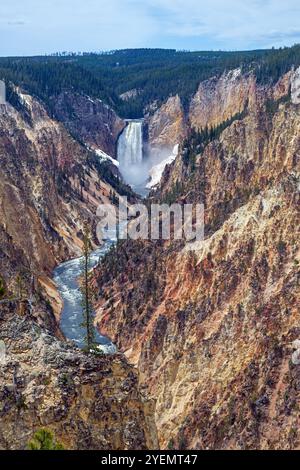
(30, 27)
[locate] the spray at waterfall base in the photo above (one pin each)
(154, 222)
(141, 165)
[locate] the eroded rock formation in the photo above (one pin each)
(87, 402)
(166, 126)
(49, 185)
(211, 326)
(91, 121)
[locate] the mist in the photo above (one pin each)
(137, 175)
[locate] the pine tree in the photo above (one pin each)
(19, 286)
(2, 288)
(44, 440)
(88, 314)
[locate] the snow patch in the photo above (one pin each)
(157, 170)
(25, 99)
(234, 74)
(295, 90)
(104, 156)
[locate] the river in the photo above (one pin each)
(66, 277)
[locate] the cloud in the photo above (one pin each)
(54, 25)
(15, 23)
(233, 23)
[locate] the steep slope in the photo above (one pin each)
(49, 184)
(88, 402)
(90, 120)
(217, 99)
(166, 126)
(212, 329)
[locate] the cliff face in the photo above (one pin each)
(213, 327)
(217, 99)
(48, 186)
(91, 121)
(166, 126)
(212, 330)
(88, 402)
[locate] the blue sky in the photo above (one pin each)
(30, 27)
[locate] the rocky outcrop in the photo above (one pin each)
(166, 126)
(212, 326)
(49, 184)
(247, 130)
(88, 402)
(90, 120)
(295, 86)
(218, 99)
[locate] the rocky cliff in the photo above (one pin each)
(212, 326)
(217, 99)
(87, 402)
(49, 185)
(91, 121)
(166, 126)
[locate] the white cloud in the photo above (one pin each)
(107, 24)
(235, 23)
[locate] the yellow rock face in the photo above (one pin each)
(212, 331)
(167, 126)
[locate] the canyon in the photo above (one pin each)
(50, 185)
(206, 333)
(211, 327)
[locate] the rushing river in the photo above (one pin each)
(66, 277)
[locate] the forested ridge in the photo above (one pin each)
(154, 74)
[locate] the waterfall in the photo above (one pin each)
(130, 145)
(130, 152)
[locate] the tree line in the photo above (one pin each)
(155, 73)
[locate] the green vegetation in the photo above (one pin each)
(105, 172)
(2, 288)
(88, 322)
(282, 248)
(46, 78)
(276, 63)
(20, 403)
(198, 140)
(20, 286)
(272, 106)
(155, 74)
(44, 440)
(129, 263)
(171, 444)
(193, 146)
(175, 192)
